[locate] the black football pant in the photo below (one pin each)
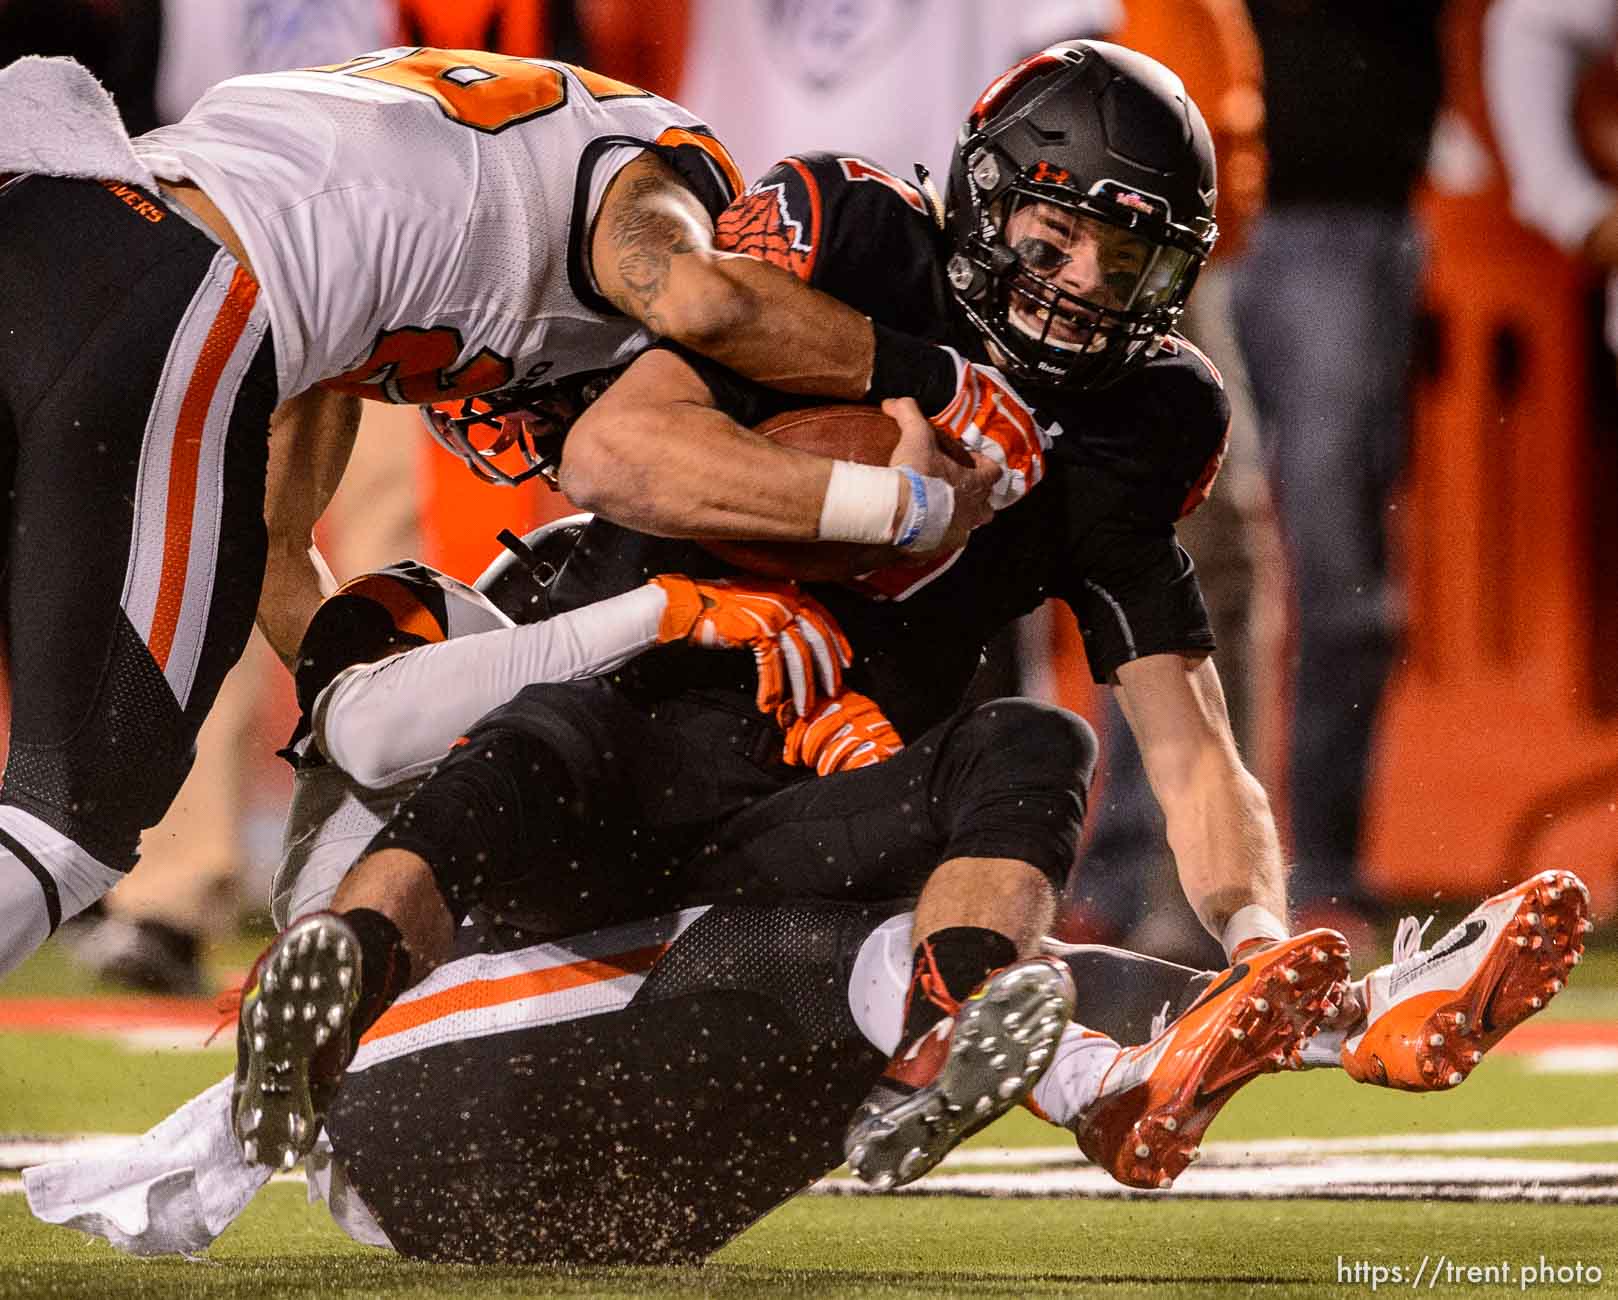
(137, 379)
(572, 806)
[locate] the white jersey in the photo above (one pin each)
(417, 218)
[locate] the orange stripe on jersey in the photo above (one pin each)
(478, 995)
(223, 335)
(404, 607)
(678, 135)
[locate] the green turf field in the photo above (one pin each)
(917, 1245)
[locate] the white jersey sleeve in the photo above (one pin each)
(389, 721)
(418, 219)
(1534, 51)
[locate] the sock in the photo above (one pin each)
(1325, 1049)
(1073, 1080)
(949, 965)
(384, 967)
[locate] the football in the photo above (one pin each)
(842, 432)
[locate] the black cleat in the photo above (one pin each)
(292, 1038)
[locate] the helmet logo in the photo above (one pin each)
(1045, 173)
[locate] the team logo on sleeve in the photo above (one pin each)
(761, 225)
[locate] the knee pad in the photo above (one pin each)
(1012, 779)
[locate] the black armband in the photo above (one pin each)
(906, 367)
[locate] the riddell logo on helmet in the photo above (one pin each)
(1137, 202)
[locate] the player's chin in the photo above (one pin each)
(806, 561)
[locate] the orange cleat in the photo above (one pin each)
(1156, 1100)
(1431, 1014)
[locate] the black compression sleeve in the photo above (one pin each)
(907, 367)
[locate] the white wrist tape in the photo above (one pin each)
(1252, 922)
(859, 503)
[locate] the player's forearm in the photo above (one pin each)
(1223, 837)
(763, 322)
(684, 470)
(382, 722)
(296, 580)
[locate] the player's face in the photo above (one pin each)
(1079, 255)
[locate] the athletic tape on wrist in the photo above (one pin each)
(858, 506)
(1252, 923)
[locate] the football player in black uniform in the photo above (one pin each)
(1080, 209)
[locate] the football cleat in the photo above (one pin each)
(1431, 1014)
(965, 1072)
(292, 1039)
(1156, 1100)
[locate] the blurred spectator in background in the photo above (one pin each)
(1126, 887)
(189, 884)
(1538, 55)
(1325, 303)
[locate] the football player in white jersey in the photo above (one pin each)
(191, 320)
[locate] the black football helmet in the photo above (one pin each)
(1102, 132)
(509, 436)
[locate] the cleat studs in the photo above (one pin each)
(1474, 1056)
(1009, 1087)
(1455, 1077)
(309, 1010)
(1437, 1040)
(1164, 1182)
(1237, 1033)
(250, 1151)
(321, 1035)
(289, 1157)
(1143, 1152)
(988, 1043)
(998, 1062)
(334, 1016)
(1459, 1020)
(260, 1042)
(1011, 1020)
(1260, 1005)
(261, 1015)
(288, 1011)
(1574, 958)
(1519, 941)
(1171, 1124)
(1586, 925)
(1290, 975)
(1532, 918)
(314, 983)
(910, 1166)
(1553, 894)
(1556, 986)
(1536, 1003)
(296, 982)
(882, 1181)
(345, 977)
(984, 1106)
(1193, 1155)
(342, 950)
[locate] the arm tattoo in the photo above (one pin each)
(647, 240)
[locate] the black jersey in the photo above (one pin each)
(1097, 533)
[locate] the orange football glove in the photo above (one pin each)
(844, 733)
(986, 416)
(796, 643)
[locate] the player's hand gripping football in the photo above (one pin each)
(798, 647)
(972, 476)
(988, 418)
(842, 734)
